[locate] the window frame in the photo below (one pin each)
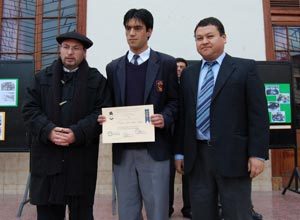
(277, 16)
(80, 17)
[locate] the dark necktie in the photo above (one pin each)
(135, 58)
(204, 99)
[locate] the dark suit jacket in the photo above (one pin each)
(239, 123)
(161, 69)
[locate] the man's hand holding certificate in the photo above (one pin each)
(128, 124)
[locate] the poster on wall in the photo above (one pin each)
(2, 126)
(279, 103)
(8, 92)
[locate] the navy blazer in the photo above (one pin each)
(239, 123)
(161, 90)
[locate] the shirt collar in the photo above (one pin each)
(219, 60)
(70, 71)
(144, 55)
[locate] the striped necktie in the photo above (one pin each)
(135, 58)
(204, 99)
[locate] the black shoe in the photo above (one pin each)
(220, 214)
(187, 215)
(255, 215)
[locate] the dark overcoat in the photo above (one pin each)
(56, 170)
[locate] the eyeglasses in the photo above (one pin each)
(74, 48)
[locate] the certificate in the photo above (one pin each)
(128, 124)
(2, 126)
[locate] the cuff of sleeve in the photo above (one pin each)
(46, 132)
(179, 157)
(259, 158)
(79, 136)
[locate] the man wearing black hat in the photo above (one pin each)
(60, 111)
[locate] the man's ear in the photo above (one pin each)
(225, 38)
(149, 32)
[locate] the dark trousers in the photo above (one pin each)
(185, 190)
(206, 184)
(51, 212)
(78, 210)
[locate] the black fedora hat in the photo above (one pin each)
(86, 42)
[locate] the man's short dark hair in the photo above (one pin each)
(142, 15)
(211, 21)
(179, 59)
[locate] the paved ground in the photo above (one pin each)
(272, 205)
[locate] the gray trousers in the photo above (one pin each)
(140, 179)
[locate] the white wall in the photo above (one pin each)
(174, 23)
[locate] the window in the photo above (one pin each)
(286, 42)
(18, 23)
(29, 27)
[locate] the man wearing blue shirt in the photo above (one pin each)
(223, 127)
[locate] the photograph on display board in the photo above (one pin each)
(2, 126)
(8, 92)
(279, 104)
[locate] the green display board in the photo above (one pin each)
(279, 90)
(15, 76)
(279, 102)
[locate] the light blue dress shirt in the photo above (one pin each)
(144, 56)
(203, 71)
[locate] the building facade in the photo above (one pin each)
(258, 29)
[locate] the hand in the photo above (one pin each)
(101, 119)
(179, 165)
(62, 136)
(255, 166)
(55, 134)
(68, 135)
(158, 120)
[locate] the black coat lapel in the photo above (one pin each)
(194, 72)
(225, 71)
(152, 71)
(195, 75)
(80, 93)
(121, 76)
(56, 70)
